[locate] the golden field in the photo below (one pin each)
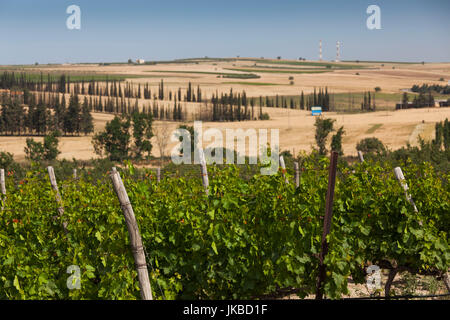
(296, 127)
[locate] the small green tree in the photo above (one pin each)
(439, 135)
(86, 120)
(371, 145)
(323, 128)
(114, 140)
(51, 142)
(405, 100)
(34, 151)
(336, 141)
(72, 116)
(142, 133)
(38, 151)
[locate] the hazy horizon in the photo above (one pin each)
(113, 31)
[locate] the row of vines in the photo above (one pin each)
(245, 239)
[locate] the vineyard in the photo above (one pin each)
(244, 238)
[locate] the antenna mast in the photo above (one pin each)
(320, 50)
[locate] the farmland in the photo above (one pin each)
(251, 235)
(346, 81)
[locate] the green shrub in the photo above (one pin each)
(265, 116)
(371, 145)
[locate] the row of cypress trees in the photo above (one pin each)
(305, 102)
(43, 115)
(107, 88)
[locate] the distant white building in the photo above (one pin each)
(140, 61)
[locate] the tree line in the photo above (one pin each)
(319, 97)
(104, 88)
(368, 103)
(428, 88)
(420, 101)
(42, 115)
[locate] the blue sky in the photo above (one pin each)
(111, 31)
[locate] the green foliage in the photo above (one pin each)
(336, 141)
(264, 116)
(142, 133)
(115, 140)
(323, 128)
(86, 120)
(6, 160)
(247, 238)
(71, 122)
(433, 88)
(38, 151)
(51, 146)
(425, 152)
(34, 151)
(442, 135)
(371, 145)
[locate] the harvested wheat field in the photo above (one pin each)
(274, 74)
(268, 77)
(296, 130)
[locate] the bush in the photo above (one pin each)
(34, 151)
(6, 160)
(291, 78)
(323, 128)
(371, 145)
(377, 89)
(265, 116)
(38, 151)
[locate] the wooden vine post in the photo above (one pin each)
(74, 174)
(360, 155)
(158, 174)
(51, 175)
(205, 179)
(2, 181)
(2, 185)
(327, 223)
(297, 174)
(135, 237)
(446, 279)
(283, 169)
(401, 178)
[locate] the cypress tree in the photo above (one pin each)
(86, 121)
(302, 101)
(72, 116)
